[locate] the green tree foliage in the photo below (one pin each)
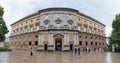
(115, 36)
(3, 28)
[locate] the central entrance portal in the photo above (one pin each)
(58, 41)
(58, 44)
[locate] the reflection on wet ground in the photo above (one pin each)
(21, 56)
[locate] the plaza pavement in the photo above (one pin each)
(22, 56)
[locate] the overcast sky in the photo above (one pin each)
(102, 10)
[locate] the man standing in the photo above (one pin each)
(75, 50)
(31, 53)
(78, 51)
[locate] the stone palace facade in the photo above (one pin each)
(48, 28)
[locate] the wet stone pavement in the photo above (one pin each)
(22, 56)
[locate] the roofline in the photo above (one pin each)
(59, 9)
(25, 18)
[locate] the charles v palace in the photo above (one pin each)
(51, 28)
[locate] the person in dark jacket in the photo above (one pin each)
(75, 51)
(78, 51)
(31, 53)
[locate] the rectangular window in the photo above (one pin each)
(58, 26)
(99, 43)
(86, 43)
(90, 30)
(94, 30)
(36, 42)
(30, 43)
(79, 28)
(95, 43)
(70, 26)
(24, 43)
(85, 29)
(31, 29)
(46, 26)
(91, 43)
(37, 28)
(25, 30)
(80, 42)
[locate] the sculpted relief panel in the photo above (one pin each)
(63, 16)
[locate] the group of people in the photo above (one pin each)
(77, 50)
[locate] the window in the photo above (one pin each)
(91, 37)
(37, 28)
(86, 43)
(31, 29)
(95, 43)
(78, 28)
(94, 30)
(80, 37)
(25, 30)
(80, 42)
(85, 29)
(58, 26)
(99, 43)
(36, 42)
(70, 26)
(91, 43)
(24, 43)
(103, 43)
(36, 36)
(30, 43)
(46, 26)
(90, 31)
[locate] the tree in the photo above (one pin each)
(115, 36)
(3, 28)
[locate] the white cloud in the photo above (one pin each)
(108, 31)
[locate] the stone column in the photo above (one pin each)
(65, 37)
(39, 43)
(52, 39)
(75, 39)
(49, 37)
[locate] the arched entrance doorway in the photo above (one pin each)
(58, 41)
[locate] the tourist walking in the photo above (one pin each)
(94, 49)
(78, 51)
(75, 50)
(31, 53)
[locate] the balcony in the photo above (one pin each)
(58, 27)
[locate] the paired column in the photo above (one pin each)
(65, 39)
(75, 42)
(40, 40)
(50, 40)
